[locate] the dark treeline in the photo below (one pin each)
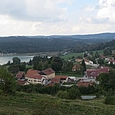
(75, 43)
(95, 46)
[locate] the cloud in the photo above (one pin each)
(33, 10)
(107, 9)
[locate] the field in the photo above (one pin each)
(36, 104)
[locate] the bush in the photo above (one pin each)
(63, 94)
(110, 100)
(74, 93)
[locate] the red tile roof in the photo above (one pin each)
(48, 71)
(85, 84)
(55, 80)
(32, 72)
(21, 82)
(20, 74)
(35, 76)
(96, 72)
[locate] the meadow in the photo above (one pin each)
(37, 104)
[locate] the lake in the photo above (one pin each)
(5, 59)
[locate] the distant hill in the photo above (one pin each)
(54, 43)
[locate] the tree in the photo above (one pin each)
(100, 61)
(74, 93)
(107, 80)
(96, 54)
(16, 60)
(107, 51)
(7, 82)
(83, 67)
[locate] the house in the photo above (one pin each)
(111, 61)
(22, 82)
(62, 78)
(79, 60)
(88, 62)
(85, 83)
(94, 73)
(76, 67)
(20, 75)
(58, 80)
(32, 72)
(35, 79)
(48, 73)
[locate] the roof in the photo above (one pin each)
(55, 80)
(112, 61)
(21, 82)
(20, 74)
(48, 71)
(85, 84)
(35, 76)
(96, 72)
(32, 72)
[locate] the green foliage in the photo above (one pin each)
(63, 94)
(74, 93)
(37, 104)
(107, 51)
(107, 80)
(100, 61)
(88, 90)
(110, 100)
(7, 82)
(16, 61)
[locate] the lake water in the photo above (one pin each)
(5, 59)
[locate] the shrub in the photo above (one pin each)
(110, 100)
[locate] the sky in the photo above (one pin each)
(56, 17)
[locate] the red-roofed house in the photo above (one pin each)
(22, 82)
(48, 73)
(76, 67)
(62, 79)
(111, 61)
(35, 79)
(93, 73)
(32, 72)
(85, 83)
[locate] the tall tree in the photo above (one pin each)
(16, 60)
(7, 82)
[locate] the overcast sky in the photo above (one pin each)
(56, 17)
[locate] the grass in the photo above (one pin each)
(36, 104)
(70, 55)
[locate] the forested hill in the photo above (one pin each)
(32, 44)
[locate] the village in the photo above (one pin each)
(48, 76)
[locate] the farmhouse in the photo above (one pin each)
(48, 73)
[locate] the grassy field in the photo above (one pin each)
(70, 55)
(36, 104)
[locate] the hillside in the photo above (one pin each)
(36, 104)
(33, 44)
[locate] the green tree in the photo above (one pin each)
(107, 51)
(97, 54)
(107, 80)
(100, 61)
(83, 67)
(7, 84)
(16, 60)
(74, 93)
